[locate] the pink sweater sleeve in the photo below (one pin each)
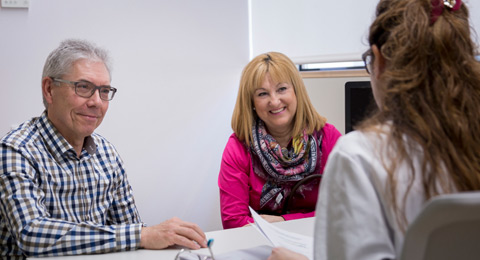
(233, 182)
(330, 138)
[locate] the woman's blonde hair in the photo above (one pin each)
(281, 69)
(431, 94)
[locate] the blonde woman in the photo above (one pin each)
(279, 140)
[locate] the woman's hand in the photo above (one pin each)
(280, 253)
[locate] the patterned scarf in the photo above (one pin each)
(282, 167)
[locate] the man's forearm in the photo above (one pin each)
(50, 237)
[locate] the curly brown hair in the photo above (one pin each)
(430, 94)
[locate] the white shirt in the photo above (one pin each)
(354, 219)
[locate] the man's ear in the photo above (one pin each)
(47, 84)
(378, 62)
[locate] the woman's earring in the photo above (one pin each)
(253, 108)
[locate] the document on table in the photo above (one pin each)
(278, 237)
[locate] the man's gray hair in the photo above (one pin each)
(61, 60)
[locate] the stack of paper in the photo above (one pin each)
(282, 238)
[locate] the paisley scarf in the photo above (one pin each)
(281, 167)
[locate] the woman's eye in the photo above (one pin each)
(262, 94)
(281, 89)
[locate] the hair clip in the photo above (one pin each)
(438, 6)
(268, 58)
(453, 4)
(449, 3)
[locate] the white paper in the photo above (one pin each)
(281, 238)
(254, 253)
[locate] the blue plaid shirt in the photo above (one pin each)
(53, 202)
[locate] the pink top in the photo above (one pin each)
(240, 187)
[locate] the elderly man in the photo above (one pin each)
(63, 188)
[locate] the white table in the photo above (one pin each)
(225, 241)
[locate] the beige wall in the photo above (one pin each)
(328, 98)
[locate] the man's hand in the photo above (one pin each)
(280, 253)
(272, 218)
(173, 232)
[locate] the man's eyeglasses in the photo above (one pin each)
(367, 59)
(186, 254)
(87, 89)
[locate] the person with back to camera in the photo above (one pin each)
(279, 139)
(63, 188)
(424, 140)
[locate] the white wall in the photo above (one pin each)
(312, 30)
(177, 66)
(319, 31)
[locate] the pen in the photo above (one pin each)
(209, 245)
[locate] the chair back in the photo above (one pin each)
(447, 228)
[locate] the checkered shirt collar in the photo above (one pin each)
(58, 145)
